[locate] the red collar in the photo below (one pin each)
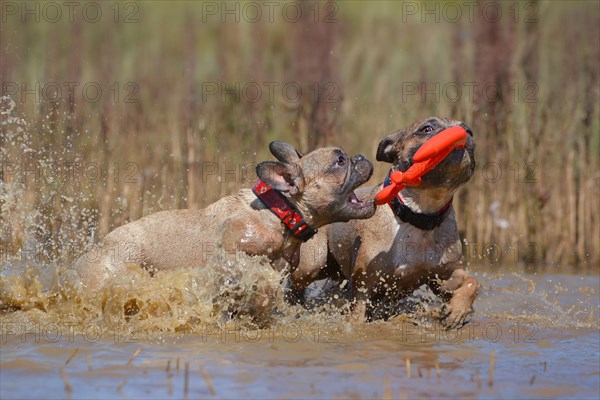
(284, 210)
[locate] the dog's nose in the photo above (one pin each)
(359, 157)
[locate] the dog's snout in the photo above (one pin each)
(362, 166)
(466, 128)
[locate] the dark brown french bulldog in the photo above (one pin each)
(411, 243)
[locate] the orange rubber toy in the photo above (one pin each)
(430, 154)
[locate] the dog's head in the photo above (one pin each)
(400, 147)
(321, 182)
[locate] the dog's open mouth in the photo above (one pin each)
(355, 202)
(358, 174)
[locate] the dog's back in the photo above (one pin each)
(166, 239)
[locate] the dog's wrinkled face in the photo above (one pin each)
(400, 147)
(322, 181)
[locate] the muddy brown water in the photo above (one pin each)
(223, 334)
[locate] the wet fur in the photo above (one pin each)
(314, 183)
(386, 258)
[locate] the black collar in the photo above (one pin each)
(424, 222)
(284, 210)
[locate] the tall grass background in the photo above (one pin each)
(534, 198)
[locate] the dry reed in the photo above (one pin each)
(134, 355)
(65, 378)
(71, 357)
(534, 194)
(186, 380)
(121, 385)
(208, 381)
(491, 372)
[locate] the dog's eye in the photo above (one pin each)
(426, 129)
(341, 160)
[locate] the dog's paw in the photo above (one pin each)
(454, 316)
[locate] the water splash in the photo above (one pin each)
(37, 285)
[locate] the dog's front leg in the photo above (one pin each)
(461, 289)
(312, 259)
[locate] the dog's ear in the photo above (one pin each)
(284, 152)
(286, 178)
(385, 150)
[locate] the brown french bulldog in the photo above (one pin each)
(296, 195)
(413, 242)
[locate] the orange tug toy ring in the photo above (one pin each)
(430, 154)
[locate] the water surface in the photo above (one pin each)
(532, 336)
